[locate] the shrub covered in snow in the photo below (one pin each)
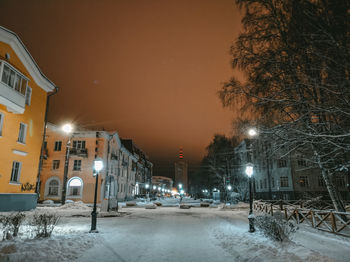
(150, 206)
(158, 203)
(183, 206)
(130, 203)
(274, 228)
(44, 224)
(10, 224)
(205, 204)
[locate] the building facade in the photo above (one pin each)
(23, 95)
(117, 180)
(283, 175)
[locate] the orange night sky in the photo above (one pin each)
(149, 69)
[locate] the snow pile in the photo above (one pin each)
(75, 205)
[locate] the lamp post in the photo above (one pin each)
(98, 166)
(67, 128)
(181, 192)
(147, 191)
(249, 170)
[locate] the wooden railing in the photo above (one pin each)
(325, 220)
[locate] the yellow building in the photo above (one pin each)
(23, 94)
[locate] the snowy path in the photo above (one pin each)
(173, 234)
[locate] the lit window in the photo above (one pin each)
(74, 187)
(16, 171)
(53, 187)
(22, 133)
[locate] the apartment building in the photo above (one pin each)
(117, 180)
(23, 95)
(283, 175)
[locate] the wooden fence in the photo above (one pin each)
(325, 220)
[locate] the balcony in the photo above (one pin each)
(82, 152)
(13, 100)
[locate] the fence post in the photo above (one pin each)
(334, 223)
(301, 203)
(285, 214)
(313, 222)
(281, 205)
(271, 209)
(296, 215)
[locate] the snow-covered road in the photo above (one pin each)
(173, 234)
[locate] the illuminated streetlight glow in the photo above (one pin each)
(159, 188)
(147, 186)
(249, 170)
(98, 165)
(180, 186)
(67, 128)
(252, 132)
(182, 191)
(154, 187)
(229, 187)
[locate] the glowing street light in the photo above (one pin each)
(147, 186)
(154, 187)
(98, 166)
(252, 132)
(229, 187)
(180, 185)
(68, 129)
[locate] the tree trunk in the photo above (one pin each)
(333, 192)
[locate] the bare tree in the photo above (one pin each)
(297, 58)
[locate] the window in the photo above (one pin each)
(53, 187)
(77, 165)
(261, 184)
(282, 163)
(22, 133)
(1, 122)
(14, 80)
(321, 182)
(28, 95)
(340, 182)
(304, 181)
(58, 145)
(55, 164)
(75, 186)
(16, 171)
(301, 162)
(284, 181)
(79, 144)
(273, 181)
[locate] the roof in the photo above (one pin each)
(26, 58)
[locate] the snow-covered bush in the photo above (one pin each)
(130, 203)
(158, 203)
(44, 224)
(10, 224)
(274, 228)
(183, 206)
(205, 204)
(48, 202)
(150, 206)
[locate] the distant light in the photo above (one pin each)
(249, 170)
(159, 188)
(154, 187)
(98, 165)
(163, 189)
(203, 190)
(147, 186)
(180, 186)
(252, 132)
(182, 191)
(214, 189)
(229, 187)
(67, 128)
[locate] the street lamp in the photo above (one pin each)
(249, 170)
(67, 128)
(252, 132)
(98, 166)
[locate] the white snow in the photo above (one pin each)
(170, 234)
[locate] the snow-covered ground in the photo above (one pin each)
(172, 234)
